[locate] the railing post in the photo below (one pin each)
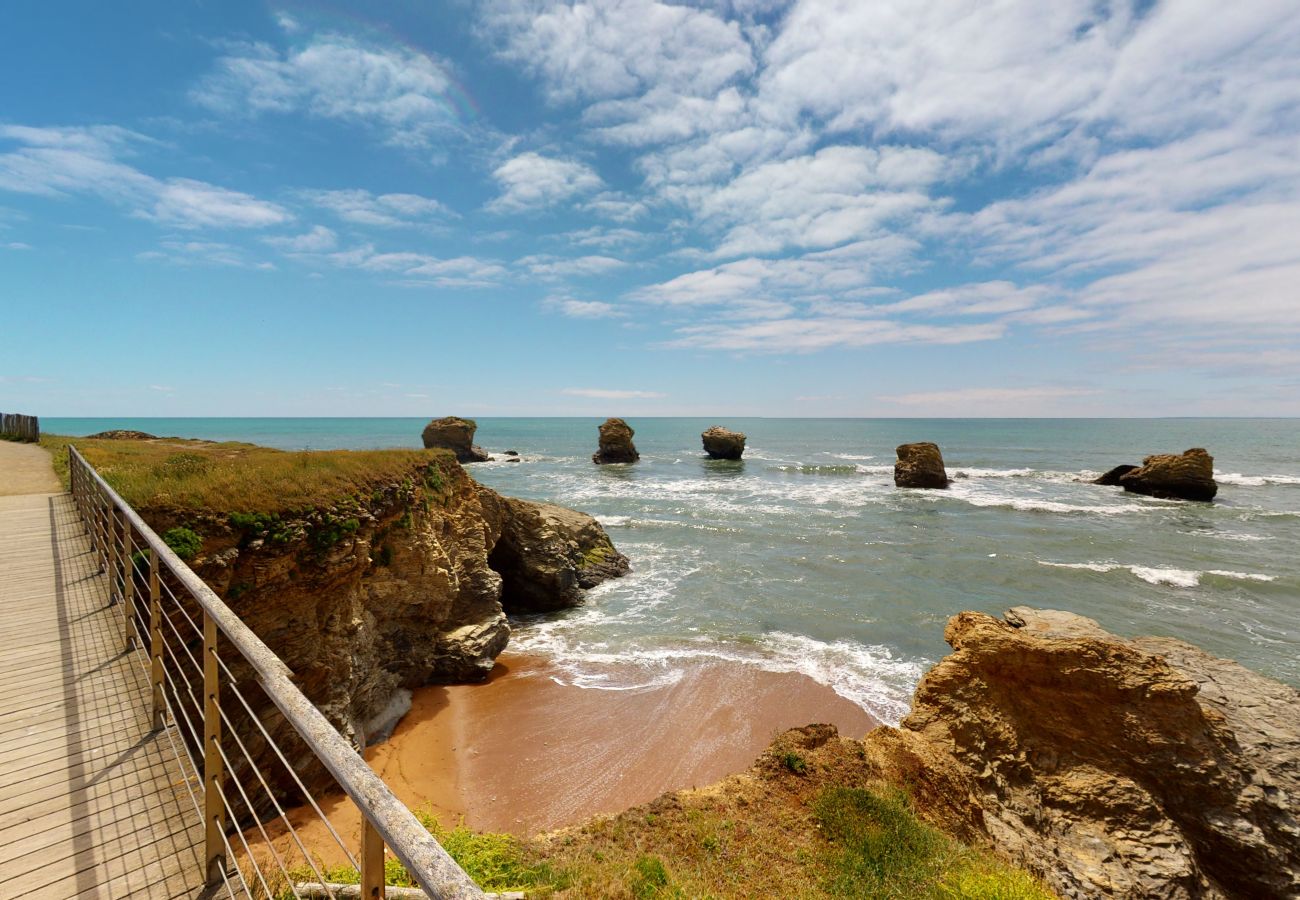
(110, 547)
(372, 861)
(128, 583)
(214, 812)
(156, 642)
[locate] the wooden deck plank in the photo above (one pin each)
(93, 803)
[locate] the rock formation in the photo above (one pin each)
(1189, 476)
(457, 435)
(547, 556)
(920, 465)
(395, 588)
(122, 434)
(721, 443)
(1110, 767)
(1111, 478)
(615, 443)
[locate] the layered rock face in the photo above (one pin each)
(920, 465)
(393, 590)
(457, 435)
(1186, 476)
(722, 443)
(1110, 767)
(615, 443)
(547, 555)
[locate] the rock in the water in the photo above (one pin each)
(722, 443)
(457, 435)
(1189, 476)
(547, 555)
(1111, 478)
(920, 465)
(1111, 767)
(616, 443)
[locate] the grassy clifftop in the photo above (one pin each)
(237, 478)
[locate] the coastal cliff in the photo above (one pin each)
(1105, 766)
(394, 588)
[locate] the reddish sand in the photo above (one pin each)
(522, 753)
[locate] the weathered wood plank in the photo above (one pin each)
(92, 800)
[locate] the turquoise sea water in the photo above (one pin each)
(804, 557)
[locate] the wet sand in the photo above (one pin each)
(523, 753)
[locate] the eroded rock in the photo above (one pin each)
(615, 443)
(457, 435)
(722, 443)
(1185, 476)
(1111, 478)
(548, 556)
(1110, 767)
(920, 465)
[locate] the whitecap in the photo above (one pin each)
(1160, 574)
(1236, 478)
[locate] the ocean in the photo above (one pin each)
(804, 556)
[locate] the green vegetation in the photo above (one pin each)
(184, 542)
(496, 862)
(233, 479)
(807, 823)
(882, 849)
(793, 762)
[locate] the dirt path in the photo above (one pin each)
(26, 469)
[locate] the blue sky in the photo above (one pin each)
(759, 207)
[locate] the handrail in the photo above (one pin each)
(384, 816)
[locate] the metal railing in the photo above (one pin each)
(227, 735)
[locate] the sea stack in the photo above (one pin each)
(1170, 476)
(457, 435)
(920, 465)
(615, 443)
(722, 443)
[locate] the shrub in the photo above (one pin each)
(184, 542)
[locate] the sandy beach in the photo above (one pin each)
(523, 753)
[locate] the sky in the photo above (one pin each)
(631, 207)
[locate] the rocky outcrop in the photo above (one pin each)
(616, 443)
(722, 443)
(548, 556)
(920, 465)
(392, 588)
(122, 434)
(457, 435)
(1186, 476)
(1111, 767)
(1111, 478)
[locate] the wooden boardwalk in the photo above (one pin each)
(92, 801)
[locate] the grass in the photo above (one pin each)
(244, 479)
(808, 822)
(496, 862)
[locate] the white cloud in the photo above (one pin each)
(581, 309)
(361, 207)
(556, 266)
(807, 334)
(617, 48)
(607, 394)
(318, 240)
(16, 245)
(187, 203)
(401, 93)
(213, 253)
(991, 401)
(62, 162)
(409, 269)
(831, 197)
(606, 238)
(530, 181)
